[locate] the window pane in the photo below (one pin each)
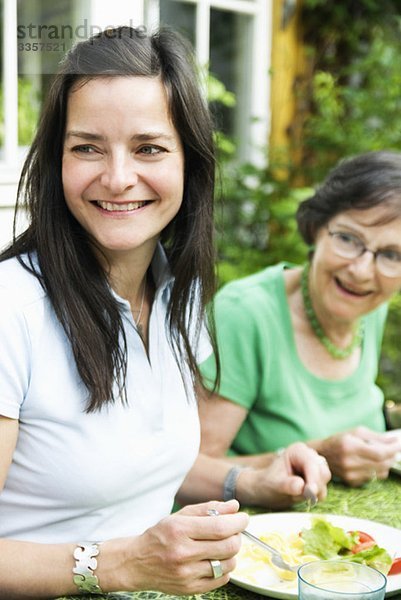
(46, 30)
(230, 61)
(180, 15)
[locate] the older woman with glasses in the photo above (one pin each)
(299, 346)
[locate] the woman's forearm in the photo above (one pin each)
(257, 461)
(205, 480)
(30, 570)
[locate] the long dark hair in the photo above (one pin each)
(359, 182)
(68, 269)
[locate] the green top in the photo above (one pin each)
(262, 371)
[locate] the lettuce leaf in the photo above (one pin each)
(327, 541)
(375, 557)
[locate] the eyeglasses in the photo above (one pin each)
(348, 245)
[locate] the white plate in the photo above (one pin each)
(267, 582)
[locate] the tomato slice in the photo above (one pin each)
(395, 568)
(365, 541)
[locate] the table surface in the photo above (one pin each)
(378, 501)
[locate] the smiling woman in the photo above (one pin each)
(299, 346)
(101, 328)
(100, 348)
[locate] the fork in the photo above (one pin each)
(276, 557)
(309, 496)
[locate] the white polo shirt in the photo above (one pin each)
(89, 476)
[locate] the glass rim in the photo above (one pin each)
(344, 562)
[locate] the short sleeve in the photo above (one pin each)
(197, 328)
(380, 317)
(238, 342)
(203, 347)
(14, 356)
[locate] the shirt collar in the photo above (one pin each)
(162, 277)
(161, 270)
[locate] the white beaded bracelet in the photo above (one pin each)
(85, 566)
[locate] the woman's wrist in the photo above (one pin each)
(318, 445)
(115, 566)
(247, 489)
(230, 483)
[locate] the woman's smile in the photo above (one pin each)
(123, 162)
(350, 289)
(120, 207)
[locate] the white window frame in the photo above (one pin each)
(137, 12)
(255, 127)
(10, 163)
(103, 13)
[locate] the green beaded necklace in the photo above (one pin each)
(331, 348)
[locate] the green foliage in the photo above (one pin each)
(354, 94)
(358, 109)
(218, 95)
(255, 209)
(28, 112)
(389, 375)
(336, 31)
(217, 92)
(1, 115)
(255, 221)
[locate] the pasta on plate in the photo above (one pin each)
(252, 559)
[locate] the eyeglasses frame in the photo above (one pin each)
(364, 249)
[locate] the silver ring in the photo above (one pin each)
(215, 564)
(322, 460)
(216, 568)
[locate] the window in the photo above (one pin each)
(231, 37)
(34, 35)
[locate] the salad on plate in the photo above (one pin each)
(320, 541)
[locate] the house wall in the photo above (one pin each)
(287, 76)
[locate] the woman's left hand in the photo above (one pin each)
(282, 483)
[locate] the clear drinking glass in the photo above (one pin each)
(340, 580)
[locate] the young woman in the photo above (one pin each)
(101, 328)
(300, 346)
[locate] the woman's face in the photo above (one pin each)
(123, 162)
(345, 289)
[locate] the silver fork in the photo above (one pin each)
(309, 496)
(276, 557)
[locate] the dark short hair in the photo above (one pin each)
(359, 182)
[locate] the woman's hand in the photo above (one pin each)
(282, 483)
(174, 555)
(359, 455)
